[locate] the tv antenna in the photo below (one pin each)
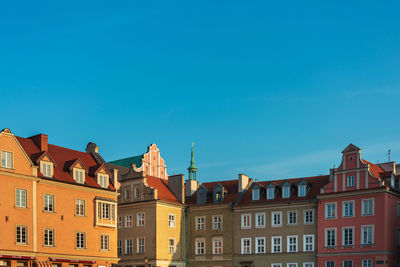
(388, 154)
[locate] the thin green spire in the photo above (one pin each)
(192, 168)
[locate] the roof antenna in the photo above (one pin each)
(388, 154)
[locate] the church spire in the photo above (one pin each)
(192, 168)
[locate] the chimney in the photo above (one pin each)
(41, 141)
(176, 183)
(115, 179)
(243, 182)
(92, 148)
(191, 187)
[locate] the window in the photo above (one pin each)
(347, 263)
(294, 264)
(367, 207)
(127, 193)
(217, 222)
(200, 247)
(276, 264)
(106, 211)
(276, 218)
(103, 180)
(292, 243)
(348, 208)
(256, 194)
(308, 264)
(260, 220)
(260, 245)
(285, 192)
(367, 235)
(20, 198)
(171, 220)
(119, 221)
(276, 244)
(302, 191)
(48, 237)
(200, 223)
(398, 237)
(140, 245)
(270, 193)
(246, 221)
(292, 217)
(46, 168)
(246, 245)
(330, 210)
(6, 160)
(104, 242)
(128, 221)
(366, 263)
(171, 246)
(330, 237)
(398, 209)
(48, 203)
(80, 207)
(79, 176)
(218, 196)
(22, 235)
(308, 242)
(217, 245)
(119, 247)
(308, 216)
(128, 246)
(81, 240)
(137, 192)
(140, 219)
(347, 237)
(350, 181)
(329, 264)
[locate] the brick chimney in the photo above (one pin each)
(176, 183)
(243, 182)
(41, 141)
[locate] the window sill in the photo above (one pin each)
(80, 248)
(330, 247)
(292, 224)
(367, 215)
(80, 216)
(330, 218)
(21, 208)
(347, 246)
(367, 245)
(22, 244)
(45, 246)
(278, 225)
(260, 226)
(49, 212)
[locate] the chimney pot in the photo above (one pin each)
(41, 141)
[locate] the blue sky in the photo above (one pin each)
(270, 89)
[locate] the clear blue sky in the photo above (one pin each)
(268, 88)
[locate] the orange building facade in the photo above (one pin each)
(58, 207)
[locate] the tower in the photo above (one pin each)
(192, 169)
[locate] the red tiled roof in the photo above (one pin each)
(63, 156)
(231, 194)
(375, 170)
(161, 185)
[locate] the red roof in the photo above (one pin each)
(375, 170)
(62, 158)
(161, 185)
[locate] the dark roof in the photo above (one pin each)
(127, 162)
(231, 192)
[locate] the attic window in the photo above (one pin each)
(286, 192)
(302, 191)
(46, 168)
(256, 194)
(218, 196)
(103, 180)
(79, 176)
(270, 193)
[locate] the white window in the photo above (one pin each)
(367, 235)
(256, 194)
(128, 246)
(21, 235)
(308, 242)
(270, 193)
(308, 216)
(46, 168)
(217, 222)
(246, 245)
(292, 264)
(330, 237)
(48, 237)
(140, 245)
(104, 242)
(308, 264)
(171, 246)
(128, 221)
(80, 240)
(103, 180)
(276, 244)
(137, 192)
(367, 207)
(106, 211)
(347, 263)
(260, 245)
(350, 181)
(348, 236)
(302, 190)
(329, 264)
(260, 220)
(217, 244)
(127, 193)
(276, 218)
(171, 220)
(292, 243)
(79, 176)
(48, 203)
(246, 221)
(276, 264)
(330, 210)
(80, 207)
(200, 246)
(292, 217)
(20, 198)
(366, 263)
(200, 223)
(6, 159)
(348, 208)
(140, 219)
(119, 247)
(286, 192)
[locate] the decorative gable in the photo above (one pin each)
(77, 170)
(103, 176)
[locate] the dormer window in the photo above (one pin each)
(256, 194)
(46, 168)
(302, 190)
(103, 180)
(286, 192)
(270, 193)
(218, 196)
(79, 176)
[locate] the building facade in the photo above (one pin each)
(58, 206)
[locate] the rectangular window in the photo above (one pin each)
(127, 193)
(128, 221)
(104, 242)
(256, 194)
(217, 246)
(80, 207)
(260, 245)
(302, 191)
(294, 264)
(276, 218)
(367, 235)
(200, 247)
(350, 181)
(330, 237)
(308, 242)
(366, 263)
(308, 264)
(105, 211)
(308, 216)
(286, 192)
(246, 221)
(46, 169)
(276, 244)
(6, 159)
(260, 220)
(79, 176)
(171, 246)
(398, 208)
(246, 245)
(292, 243)
(119, 221)
(200, 223)
(21, 235)
(270, 193)
(348, 208)
(20, 198)
(48, 237)
(137, 192)
(330, 210)
(398, 237)
(128, 246)
(347, 263)
(276, 264)
(48, 203)
(119, 247)
(217, 222)
(292, 217)
(348, 236)
(367, 207)
(171, 220)
(140, 219)
(103, 180)
(81, 240)
(329, 264)
(140, 245)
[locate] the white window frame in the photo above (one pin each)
(312, 264)
(273, 244)
(255, 194)
(352, 263)
(171, 248)
(48, 237)
(48, 203)
(23, 239)
(326, 237)
(284, 190)
(128, 246)
(326, 210)
(352, 236)
(372, 234)
(312, 217)
(268, 193)
(103, 180)
(288, 243)
(140, 248)
(119, 247)
(79, 175)
(296, 216)
(46, 168)
(128, 221)
(79, 209)
(119, 223)
(280, 218)
(80, 240)
(372, 207)
(7, 159)
(104, 242)
(22, 200)
(200, 250)
(299, 190)
(305, 244)
(257, 246)
(350, 178)
(215, 248)
(256, 222)
(330, 262)
(276, 264)
(217, 222)
(200, 223)
(364, 263)
(171, 220)
(140, 219)
(344, 210)
(291, 264)
(242, 245)
(246, 223)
